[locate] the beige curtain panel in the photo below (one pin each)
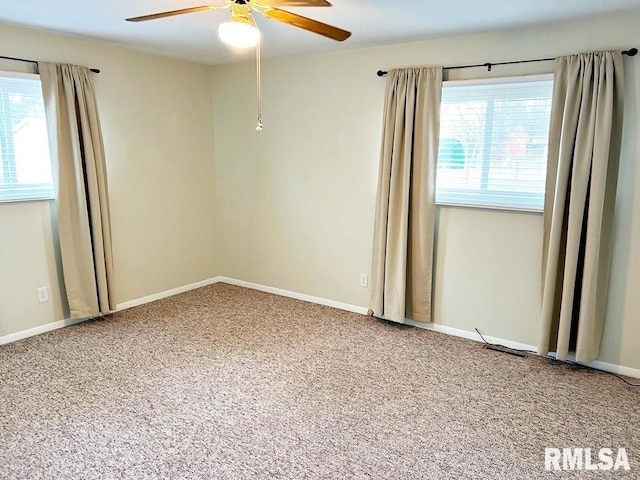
(584, 152)
(77, 152)
(405, 208)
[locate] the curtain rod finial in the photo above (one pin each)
(632, 52)
(381, 73)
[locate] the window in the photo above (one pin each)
(493, 142)
(25, 165)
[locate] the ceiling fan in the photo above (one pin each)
(242, 32)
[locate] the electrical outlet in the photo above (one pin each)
(43, 294)
(364, 280)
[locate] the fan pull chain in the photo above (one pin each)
(258, 93)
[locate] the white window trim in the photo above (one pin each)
(513, 79)
(35, 198)
(30, 76)
(444, 203)
(489, 81)
(43, 198)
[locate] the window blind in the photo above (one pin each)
(25, 165)
(493, 142)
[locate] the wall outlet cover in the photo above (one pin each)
(43, 294)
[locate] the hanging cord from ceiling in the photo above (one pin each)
(259, 125)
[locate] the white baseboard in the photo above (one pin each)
(166, 293)
(14, 337)
(607, 367)
(456, 332)
(597, 364)
(298, 296)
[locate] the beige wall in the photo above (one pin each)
(158, 134)
(296, 201)
(292, 207)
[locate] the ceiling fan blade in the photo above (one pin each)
(292, 3)
(305, 23)
(172, 13)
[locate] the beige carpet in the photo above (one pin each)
(228, 383)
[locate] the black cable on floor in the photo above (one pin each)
(568, 362)
(502, 346)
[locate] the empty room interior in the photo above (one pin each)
(286, 239)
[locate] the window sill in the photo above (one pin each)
(24, 200)
(491, 207)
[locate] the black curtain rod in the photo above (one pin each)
(94, 70)
(632, 52)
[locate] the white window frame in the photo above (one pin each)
(448, 200)
(41, 192)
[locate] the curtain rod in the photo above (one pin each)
(632, 52)
(94, 70)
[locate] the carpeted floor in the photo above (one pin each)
(229, 383)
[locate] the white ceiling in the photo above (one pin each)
(373, 22)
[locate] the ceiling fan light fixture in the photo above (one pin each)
(240, 32)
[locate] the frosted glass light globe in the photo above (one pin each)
(239, 34)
